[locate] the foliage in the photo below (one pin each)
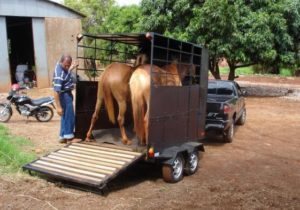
(105, 17)
(12, 154)
(168, 17)
(95, 11)
(265, 32)
(124, 19)
(243, 32)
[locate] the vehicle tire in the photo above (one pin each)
(45, 114)
(229, 133)
(191, 163)
(5, 113)
(173, 173)
(242, 119)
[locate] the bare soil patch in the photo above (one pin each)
(259, 170)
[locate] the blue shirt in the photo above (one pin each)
(62, 79)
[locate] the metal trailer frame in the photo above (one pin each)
(176, 118)
(173, 123)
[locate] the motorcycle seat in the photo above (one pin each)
(40, 101)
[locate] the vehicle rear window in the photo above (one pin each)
(222, 89)
(212, 88)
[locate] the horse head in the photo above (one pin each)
(178, 71)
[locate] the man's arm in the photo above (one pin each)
(58, 105)
(74, 64)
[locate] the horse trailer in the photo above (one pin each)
(175, 122)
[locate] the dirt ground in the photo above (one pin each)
(259, 170)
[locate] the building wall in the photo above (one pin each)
(60, 38)
(40, 52)
(5, 82)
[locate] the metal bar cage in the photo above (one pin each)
(94, 52)
(177, 113)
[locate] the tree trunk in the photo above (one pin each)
(231, 75)
(214, 68)
(275, 69)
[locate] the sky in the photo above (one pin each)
(119, 2)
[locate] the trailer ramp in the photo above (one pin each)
(93, 165)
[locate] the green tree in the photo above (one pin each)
(291, 12)
(126, 19)
(95, 11)
(243, 32)
(169, 17)
(240, 32)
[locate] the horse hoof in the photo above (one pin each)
(142, 144)
(129, 142)
(124, 142)
(88, 140)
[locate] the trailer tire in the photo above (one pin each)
(192, 163)
(229, 133)
(173, 173)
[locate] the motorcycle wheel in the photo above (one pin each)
(5, 113)
(45, 114)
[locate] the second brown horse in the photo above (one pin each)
(170, 75)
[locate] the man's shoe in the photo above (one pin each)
(74, 140)
(62, 141)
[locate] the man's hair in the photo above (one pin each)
(65, 57)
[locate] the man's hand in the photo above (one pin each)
(74, 64)
(59, 111)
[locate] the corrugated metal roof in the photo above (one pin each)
(37, 8)
(68, 8)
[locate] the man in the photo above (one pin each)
(63, 84)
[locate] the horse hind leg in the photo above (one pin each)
(95, 114)
(146, 126)
(121, 118)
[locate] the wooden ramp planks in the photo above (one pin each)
(93, 165)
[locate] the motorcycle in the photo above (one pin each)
(39, 108)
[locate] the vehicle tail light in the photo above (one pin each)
(226, 109)
(151, 152)
(202, 133)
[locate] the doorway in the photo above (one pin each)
(20, 44)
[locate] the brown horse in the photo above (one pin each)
(171, 75)
(114, 83)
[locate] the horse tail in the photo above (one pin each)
(108, 99)
(138, 109)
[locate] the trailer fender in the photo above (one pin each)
(171, 153)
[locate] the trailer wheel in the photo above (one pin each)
(192, 163)
(228, 134)
(173, 173)
(242, 119)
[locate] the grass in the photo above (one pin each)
(284, 72)
(239, 71)
(13, 152)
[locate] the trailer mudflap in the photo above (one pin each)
(93, 165)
